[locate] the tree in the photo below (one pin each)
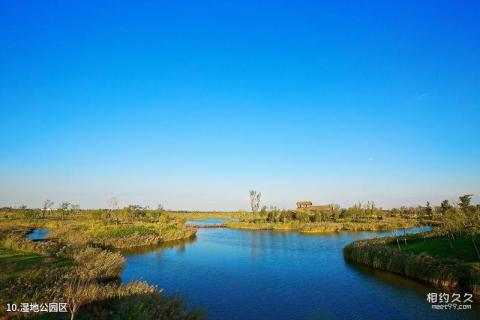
(263, 213)
(445, 206)
(29, 214)
(154, 215)
(465, 201)
(453, 223)
(255, 198)
(47, 205)
(135, 212)
(429, 211)
(113, 203)
(64, 207)
(336, 211)
(472, 221)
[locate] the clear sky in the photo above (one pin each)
(193, 103)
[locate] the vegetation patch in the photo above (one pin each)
(439, 248)
(77, 265)
(449, 257)
(120, 235)
(14, 262)
(330, 218)
(125, 231)
(383, 254)
(322, 227)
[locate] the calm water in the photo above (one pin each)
(233, 274)
(38, 234)
(207, 221)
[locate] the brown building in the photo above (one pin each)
(307, 205)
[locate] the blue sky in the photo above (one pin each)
(191, 104)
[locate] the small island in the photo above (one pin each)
(309, 218)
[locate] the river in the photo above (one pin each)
(233, 274)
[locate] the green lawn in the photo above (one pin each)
(463, 249)
(14, 262)
(15, 265)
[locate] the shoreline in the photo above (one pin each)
(445, 274)
(320, 228)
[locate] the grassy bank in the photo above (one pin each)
(13, 262)
(106, 228)
(205, 215)
(79, 263)
(324, 227)
(421, 257)
(438, 247)
(120, 236)
(85, 277)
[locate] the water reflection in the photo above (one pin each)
(405, 284)
(178, 245)
(234, 274)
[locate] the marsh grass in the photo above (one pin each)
(202, 215)
(120, 236)
(77, 264)
(141, 305)
(419, 259)
(323, 227)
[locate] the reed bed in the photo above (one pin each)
(79, 264)
(386, 254)
(323, 227)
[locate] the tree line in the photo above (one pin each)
(459, 215)
(112, 214)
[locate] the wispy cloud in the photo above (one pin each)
(422, 96)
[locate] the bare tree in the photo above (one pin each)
(47, 205)
(113, 203)
(80, 291)
(255, 198)
(75, 294)
(82, 286)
